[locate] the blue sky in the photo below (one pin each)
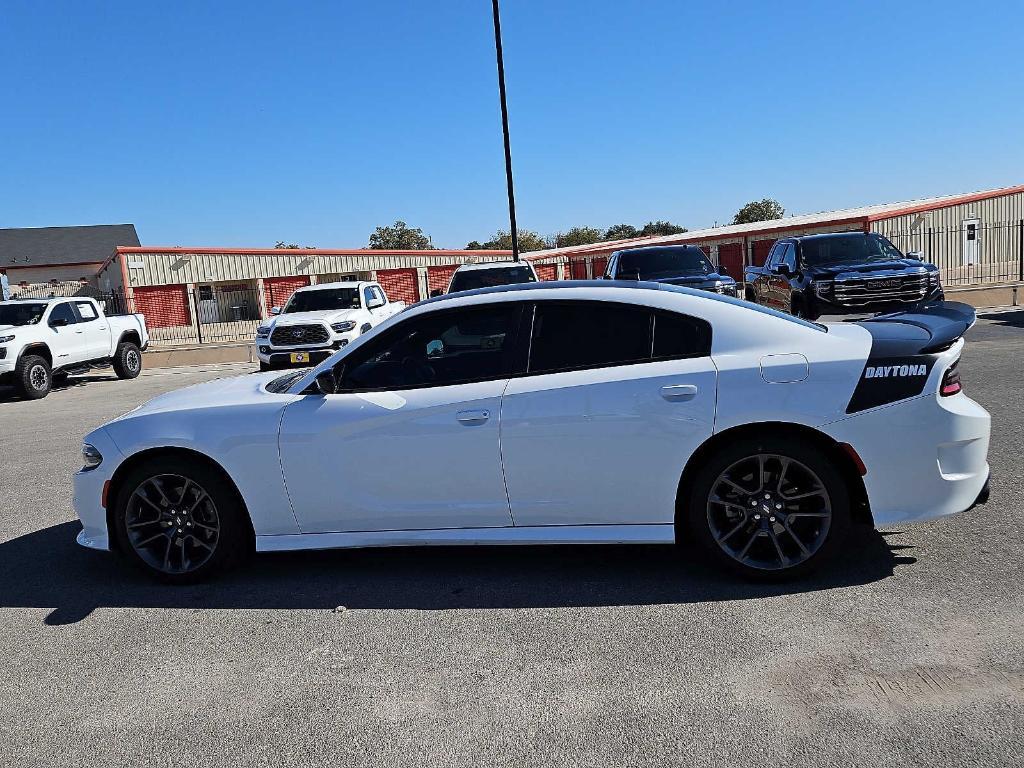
(241, 123)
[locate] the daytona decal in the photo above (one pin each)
(887, 380)
(881, 371)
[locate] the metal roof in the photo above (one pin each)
(865, 214)
(54, 246)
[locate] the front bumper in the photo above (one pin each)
(281, 356)
(88, 494)
(826, 306)
(925, 458)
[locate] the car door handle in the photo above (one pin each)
(679, 392)
(471, 418)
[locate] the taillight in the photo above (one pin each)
(951, 381)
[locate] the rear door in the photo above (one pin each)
(93, 330)
(615, 400)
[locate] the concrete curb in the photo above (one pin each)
(171, 357)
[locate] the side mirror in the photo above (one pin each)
(784, 270)
(58, 322)
(275, 311)
(723, 270)
(326, 383)
(436, 292)
(915, 255)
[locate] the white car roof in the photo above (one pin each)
(492, 265)
(346, 284)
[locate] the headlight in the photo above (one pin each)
(823, 287)
(717, 286)
(343, 327)
(5, 339)
(91, 458)
(933, 282)
(263, 332)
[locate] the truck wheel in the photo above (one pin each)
(180, 520)
(32, 377)
(127, 360)
(749, 295)
(768, 508)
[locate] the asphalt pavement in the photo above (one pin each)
(909, 651)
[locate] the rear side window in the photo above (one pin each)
(596, 334)
(86, 311)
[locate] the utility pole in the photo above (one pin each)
(504, 130)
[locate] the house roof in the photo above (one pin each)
(863, 214)
(56, 246)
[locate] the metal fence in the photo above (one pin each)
(113, 302)
(203, 315)
(971, 254)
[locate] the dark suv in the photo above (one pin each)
(841, 273)
(673, 264)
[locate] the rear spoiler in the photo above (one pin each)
(922, 330)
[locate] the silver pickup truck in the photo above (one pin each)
(44, 340)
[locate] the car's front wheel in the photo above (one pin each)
(180, 520)
(33, 377)
(768, 507)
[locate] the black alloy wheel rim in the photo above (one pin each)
(769, 512)
(172, 524)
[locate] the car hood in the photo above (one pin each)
(693, 281)
(894, 267)
(236, 390)
(321, 316)
(4, 328)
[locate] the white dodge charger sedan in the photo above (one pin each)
(552, 413)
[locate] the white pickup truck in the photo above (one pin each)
(320, 319)
(44, 340)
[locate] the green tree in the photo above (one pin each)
(577, 236)
(762, 210)
(473, 245)
(620, 232)
(400, 237)
(280, 245)
(654, 228)
(528, 241)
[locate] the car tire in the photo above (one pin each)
(127, 360)
(749, 295)
(768, 508)
(180, 520)
(32, 377)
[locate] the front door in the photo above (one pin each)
(971, 233)
(65, 338)
(616, 399)
(410, 442)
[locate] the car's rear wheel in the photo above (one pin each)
(32, 377)
(768, 508)
(180, 520)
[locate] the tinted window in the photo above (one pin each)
(469, 280)
(368, 295)
(379, 293)
(854, 248)
(680, 336)
(63, 312)
(86, 311)
(664, 262)
(18, 313)
(329, 298)
(788, 257)
(434, 350)
(588, 334)
(773, 256)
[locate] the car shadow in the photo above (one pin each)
(10, 394)
(47, 569)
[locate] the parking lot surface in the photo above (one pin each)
(910, 651)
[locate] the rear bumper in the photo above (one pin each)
(925, 458)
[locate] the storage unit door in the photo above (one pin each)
(730, 256)
(761, 250)
(163, 306)
(599, 266)
(399, 284)
(438, 278)
(279, 289)
(546, 271)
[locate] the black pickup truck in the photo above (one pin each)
(841, 273)
(673, 264)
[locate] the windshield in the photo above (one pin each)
(667, 262)
(21, 314)
(484, 278)
(329, 298)
(848, 249)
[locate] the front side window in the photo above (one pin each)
(86, 311)
(368, 295)
(326, 299)
(62, 313)
(438, 349)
